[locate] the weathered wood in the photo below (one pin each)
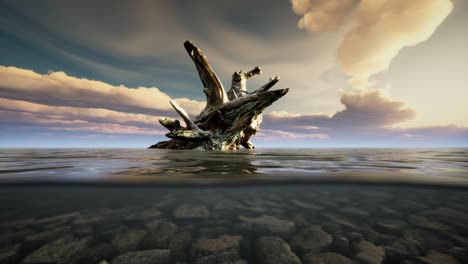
(188, 121)
(238, 84)
(239, 89)
(187, 134)
(243, 110)
(268, 85)
(250, 131)
(226, 122)
(169, 123)
(213, 89)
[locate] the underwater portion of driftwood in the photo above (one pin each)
(228, 120)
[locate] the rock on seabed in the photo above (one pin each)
(266, 225)
(274, 250)
(156, 256)
(434, 257)
(187, 211)
(369, 253)
(61, 250)
(311, 239)
(325, 258)
(224, 249)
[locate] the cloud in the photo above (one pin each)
(60, 89)
(192, 107)
(381, 29)
(372, 109)
(368, 119)
(276, 134)
(367, 110)
(374, 32)
(57, 101)
(112, 129)
(384, 28)
(19, 114)
(322, 15)
(127, 29)
(18, 120)
(67, 113)
(451, 132)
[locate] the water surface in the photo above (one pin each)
(440, 166)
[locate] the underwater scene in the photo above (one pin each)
(247, 206)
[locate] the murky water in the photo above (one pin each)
(262, 206)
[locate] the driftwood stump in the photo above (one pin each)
(229, 119)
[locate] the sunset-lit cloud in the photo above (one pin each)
(77, 113)
(373, 33)
(383, 28)
(362, 111)
(59, 102)
(60, 89)
(379, 29)
(372, 108)
(60, 123)
(368, 109)
(322, 15)
(368, 118)
(276, 134)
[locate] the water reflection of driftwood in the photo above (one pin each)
(196, 166)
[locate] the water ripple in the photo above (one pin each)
(130, 165)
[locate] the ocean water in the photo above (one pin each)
(245, 206)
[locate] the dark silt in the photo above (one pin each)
(261, 206)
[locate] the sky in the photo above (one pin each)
(369, 73)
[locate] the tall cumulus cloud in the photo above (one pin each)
(322, 15)
(381, 28)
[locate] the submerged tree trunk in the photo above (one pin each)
(229, 120)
